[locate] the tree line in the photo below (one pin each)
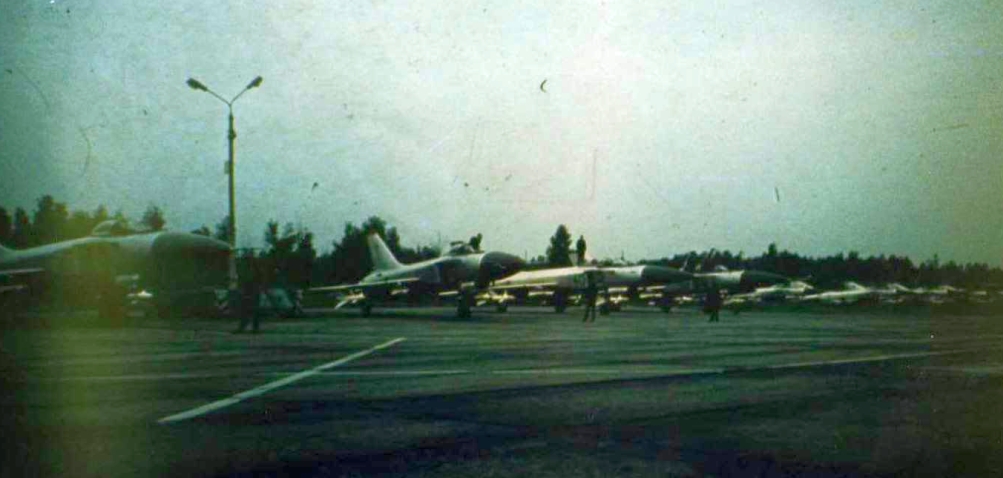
(833, 270)
(289, 255)
(52, 221)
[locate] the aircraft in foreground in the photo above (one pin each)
(461, 272)
(101, 268)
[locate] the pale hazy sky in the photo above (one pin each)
(664, 127)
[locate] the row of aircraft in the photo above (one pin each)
(855, 293)
(173, 267)
(498, 278)
(495, 278)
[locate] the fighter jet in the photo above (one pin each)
(896, 293)
(100, 268)
(774, 293)
(560, 284)
(852, 293)
(461, 272)
(738, 280)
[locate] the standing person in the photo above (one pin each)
(712, 304)
(591, 294)
(250, 295)
(580, 250)
(475, 242)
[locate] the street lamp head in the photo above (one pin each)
(195, 85)
(254, 83)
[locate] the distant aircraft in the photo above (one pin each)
(940, 294)
(852, 293)
(737, 280)
(895, 293)
(461, 271)
(776, 292)
(100, 268)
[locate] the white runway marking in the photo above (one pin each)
(254, 392)
(320, 370)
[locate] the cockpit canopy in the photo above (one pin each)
(113, 228)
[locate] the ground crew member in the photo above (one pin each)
(591, 294)
(250, 295)
(712, 304)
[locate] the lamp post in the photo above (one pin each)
(231, 136)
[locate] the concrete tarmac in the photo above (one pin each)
(417, 392)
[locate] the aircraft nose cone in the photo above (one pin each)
(500, 264)
(663, 275)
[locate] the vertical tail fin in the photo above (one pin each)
(382, 258)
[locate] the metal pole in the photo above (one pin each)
(230, 169)
(231, 136)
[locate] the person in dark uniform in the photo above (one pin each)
(712, 304)
(580, 250)
(591, 294)
(250, 294)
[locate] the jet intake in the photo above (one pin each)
(753, 279)
(663, 275)
(497, 265)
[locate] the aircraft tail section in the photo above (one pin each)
(382, 258)
(854, 286)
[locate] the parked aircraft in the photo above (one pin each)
(895, 293)
(774, 293)
(559, 284)
(737, 280)
(461, 272)
(851, 294)
(100, 268)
